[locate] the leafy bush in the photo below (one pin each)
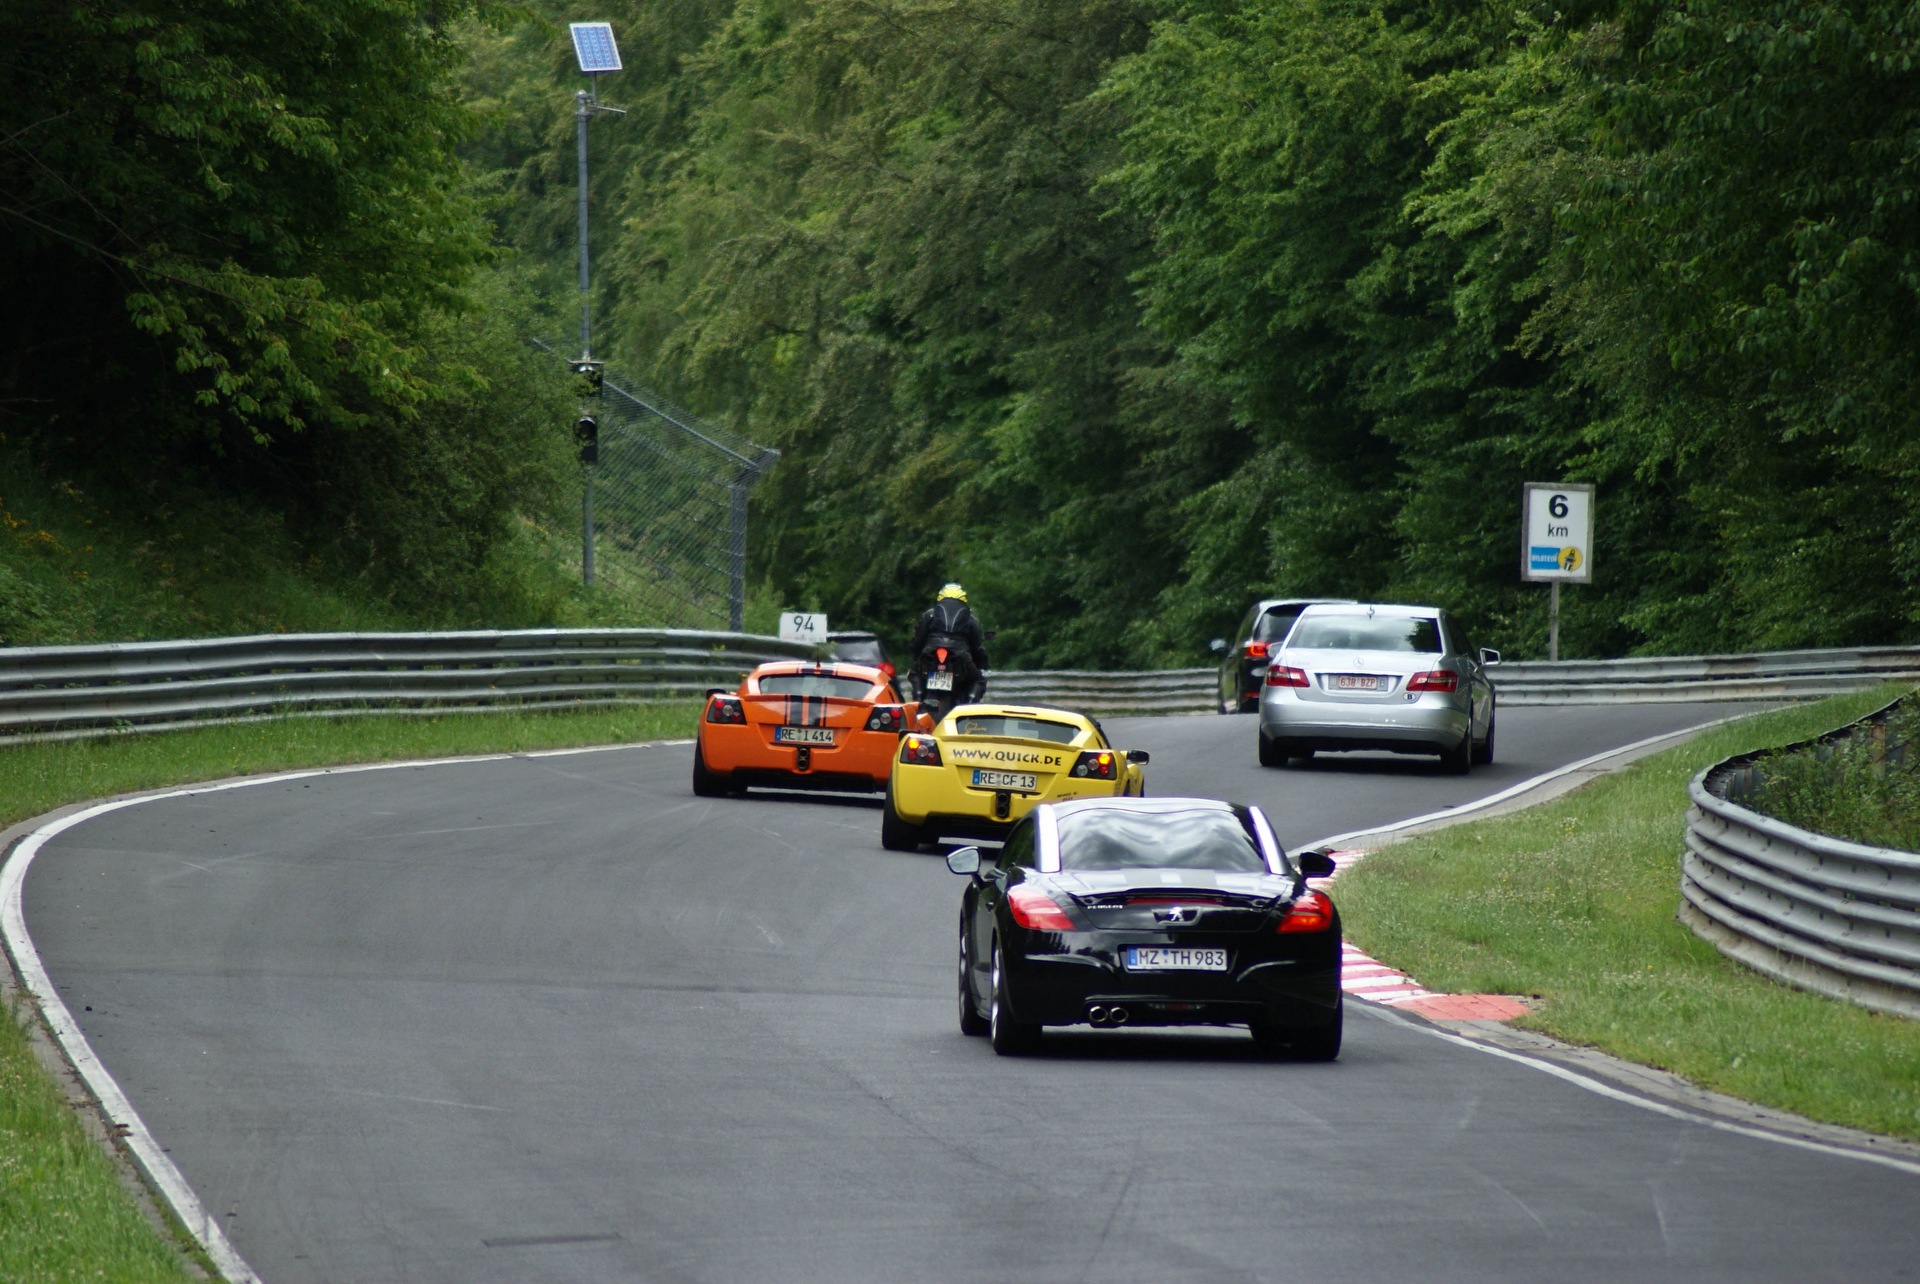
(1863, 787)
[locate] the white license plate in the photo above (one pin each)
(1024, 781)
(939, 682)
(803, 735)
(1358, 682)
(1174, 958)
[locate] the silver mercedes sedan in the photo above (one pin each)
(1370, 676)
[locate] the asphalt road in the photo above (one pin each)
(555, 1019)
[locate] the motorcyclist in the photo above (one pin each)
(950, 623)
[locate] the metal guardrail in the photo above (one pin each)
(1821, 913)
(1767, 675)
(60, 692)
(66, 691)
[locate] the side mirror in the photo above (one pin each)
(1314, 864)
(964, 861)
(1489, 656)
(1218, 646)
(1138, 757)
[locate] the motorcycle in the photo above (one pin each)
(949, 681)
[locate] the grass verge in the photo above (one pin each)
(63, 1213)
(1573, 902)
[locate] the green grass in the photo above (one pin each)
(1573, 902)
(63, 1213)
(1864, 787)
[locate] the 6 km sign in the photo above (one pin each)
(1556, 537)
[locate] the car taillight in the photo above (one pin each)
(1313, 912)
(1096, 763)
(1256, 650)
(886, 667)
(886, 717)
(921, 751)
(1033, 908)
(726, 709)
(1434, 680)
(1281, 675)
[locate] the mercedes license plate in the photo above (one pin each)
(1024, 781)
(1174, 958)
(1358, 682)
(803, 735)
(939, 682)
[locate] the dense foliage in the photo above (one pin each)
(1125, 311)
(242, 258)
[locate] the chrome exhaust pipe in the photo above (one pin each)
(1097, 1015)
(1117, 1015)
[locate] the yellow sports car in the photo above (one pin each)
(984, 766)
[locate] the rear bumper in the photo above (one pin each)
(741, 755)
(1060, 988)
(939, 800)
(1427, 725)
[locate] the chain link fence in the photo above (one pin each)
(667, 503)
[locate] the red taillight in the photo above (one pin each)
(940, 654)
(1434, 680)
(1033, 908)
(921, 751)
(1256, 650)
(1313, 912)
(886, 667)
(726, 709)
(886, 717)
(1281, 675)
(1097, 763)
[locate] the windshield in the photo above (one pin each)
(1204, 838)
(1005, 724)
(814, 684)
(1419, 635)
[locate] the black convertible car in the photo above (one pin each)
(1148, 911)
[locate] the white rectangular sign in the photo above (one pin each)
(1556, 534)
(803, 626)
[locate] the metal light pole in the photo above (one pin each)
(594, 47)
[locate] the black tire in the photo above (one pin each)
(1458, 761)
(1010, 1038)
(1322, 1044)
(1298, 757)
(1483, 752)
(1273, 753)
(1250, 706)
(707, 784)
(972, 1023)
(896, 835)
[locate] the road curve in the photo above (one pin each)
(552, 1018)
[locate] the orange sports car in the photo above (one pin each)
(797, 724)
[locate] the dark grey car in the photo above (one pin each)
(1244, 663)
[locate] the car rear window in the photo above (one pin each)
(814, 684)
(868, 651)
(1206, 838)
(1273, 625)
(1001, 724)
(1418, 635)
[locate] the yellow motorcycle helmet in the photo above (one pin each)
(952, 590)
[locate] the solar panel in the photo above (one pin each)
(593, 45)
